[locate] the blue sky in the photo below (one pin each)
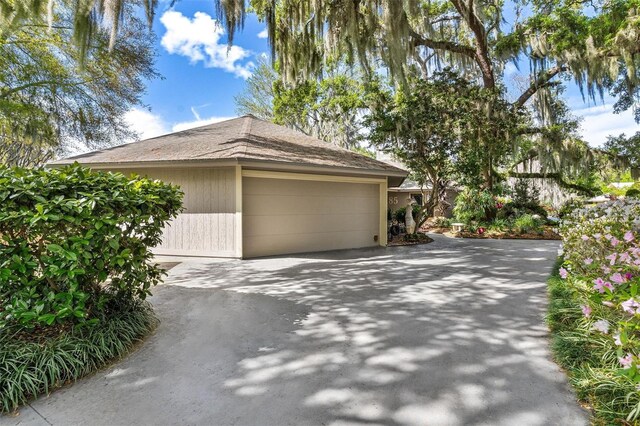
(201, 77)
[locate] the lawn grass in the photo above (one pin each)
(589, 358)
(29, 368)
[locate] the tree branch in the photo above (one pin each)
(538, 83)
(449, 46)
(557, 178)
(481, 52)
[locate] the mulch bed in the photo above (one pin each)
(547, 234)
(400, 240)
(40, 334)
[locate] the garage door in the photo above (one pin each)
(283, 216)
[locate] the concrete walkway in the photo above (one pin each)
(449, 333)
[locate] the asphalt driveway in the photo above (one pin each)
(450, 333)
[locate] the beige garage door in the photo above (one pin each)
(283, 216)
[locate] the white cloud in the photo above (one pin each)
(149, 125)
(199, 40)
(145, 123)
(600, 122)
(263, 34)
(197, 123)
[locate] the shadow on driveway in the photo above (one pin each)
(450, 333)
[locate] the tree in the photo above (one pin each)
(48, 105)
(258, 94)
(626, 147)
(330, 108)
(558, 37)
(590, 42)
(597, 45)
(432, 128)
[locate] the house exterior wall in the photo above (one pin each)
(207, 227)
(397, 199)
(294, 216)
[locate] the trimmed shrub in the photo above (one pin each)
(32, 367)
(74, 243)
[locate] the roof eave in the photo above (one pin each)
(249, 163)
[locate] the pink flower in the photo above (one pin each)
(608, 236)
(617, 278)
(600, 285)
(588, 261)
(615, 241)
(563, 273)
(626, 360)
(624, 257)
(586, 310)
(628, 236)
(606, 269)
(612, 258)
(616, 339)
(597, 236)
(601, 326)
(628, 276)
(585, 238)
(630, 306)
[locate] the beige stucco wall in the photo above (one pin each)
(293, 216)
(207, 226)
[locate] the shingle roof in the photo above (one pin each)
(245, 138)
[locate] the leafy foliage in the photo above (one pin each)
(528, 223)
(473, 205)
(258, 94)
(73, 242)
(525, 201)
(330, 109)
(399, 214)
(588, 357)
(602, 268)
(32, 368)
(633, 193)
(626, 147)
(440, 129)
(49, 105)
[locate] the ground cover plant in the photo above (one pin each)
(595, 308)
(75, 268)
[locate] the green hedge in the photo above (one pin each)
(31, 368)
(589, 359)
(74, 242)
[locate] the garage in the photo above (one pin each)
(253, 188)
(282, 216)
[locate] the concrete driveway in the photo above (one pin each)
(450, 333)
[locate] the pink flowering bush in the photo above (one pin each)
(601, 250)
